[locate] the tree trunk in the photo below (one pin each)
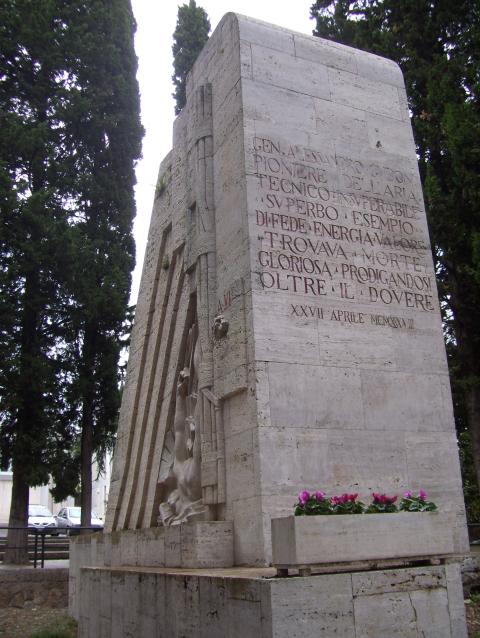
(16, 550)
(86, 470)
(86, 452)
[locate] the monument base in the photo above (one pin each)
(250, 602)
(190, 545)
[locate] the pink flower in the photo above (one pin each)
(344, 498)
(383, 499)
(422, 495)
(303, 497)
(407, 494)
(319, 496)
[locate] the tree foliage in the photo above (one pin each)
(189, 37)
(437, 44)
(470, 487)
(70, 136)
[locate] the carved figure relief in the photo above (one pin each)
(191, 482)
(182, 484)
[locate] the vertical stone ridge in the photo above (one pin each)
(158, 443)
(164, 328)
(203, 248)
(150, 474)
(118, 498)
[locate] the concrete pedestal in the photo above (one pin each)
(424, 602)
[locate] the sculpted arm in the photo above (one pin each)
(179, 423)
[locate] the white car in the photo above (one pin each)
(71, 516)
(41, 518)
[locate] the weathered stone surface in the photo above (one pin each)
(247, 603)
(301, 604)
(202, 544)
(207, 544)
(393, 581)
(404, 614)
(455, 600)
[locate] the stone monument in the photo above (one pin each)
(287, 337)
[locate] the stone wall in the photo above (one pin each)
(352, 384)
(28, 588)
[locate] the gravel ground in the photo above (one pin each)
(25, 623)
(472, 608)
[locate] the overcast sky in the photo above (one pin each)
(156, 20)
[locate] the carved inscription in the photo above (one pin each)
(347, 316)
(229, 295)
(332, 227)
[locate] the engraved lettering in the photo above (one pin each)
(331, 218)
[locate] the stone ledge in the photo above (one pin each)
(200, 544)
(220, 572)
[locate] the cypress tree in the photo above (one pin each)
(70, 135)
(437, 46)
(33, 229)
(106, 125)
(189, 37)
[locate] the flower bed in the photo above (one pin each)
(318, 504)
